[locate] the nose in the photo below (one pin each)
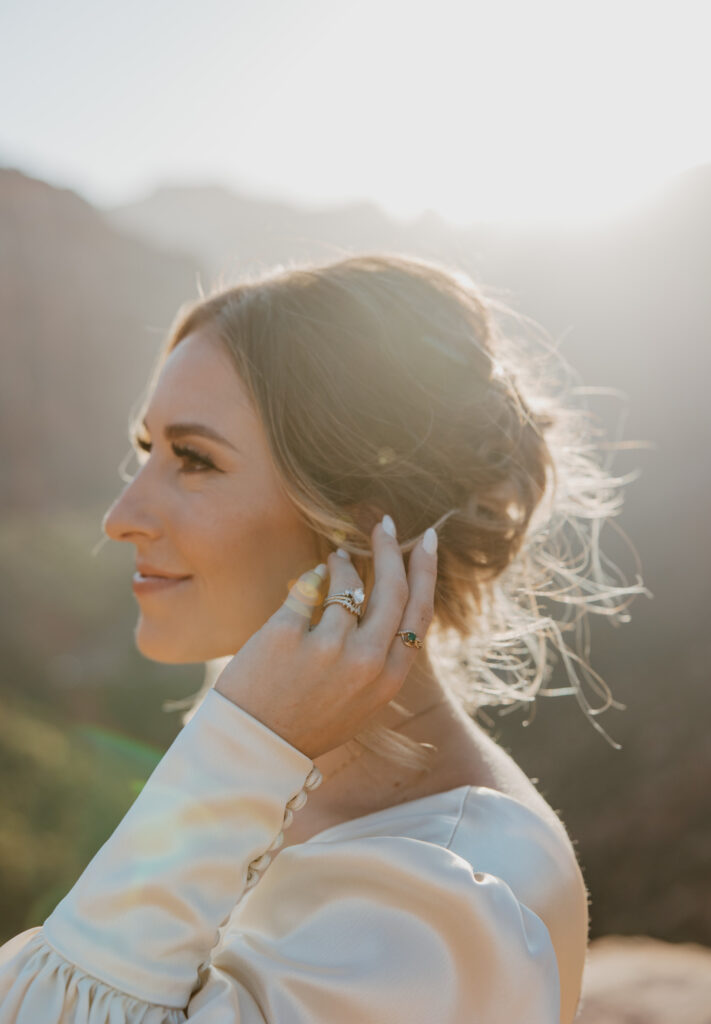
(127, 517)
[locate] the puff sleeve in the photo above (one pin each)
(178, 917)
(383, 930)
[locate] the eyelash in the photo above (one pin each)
(182, 453)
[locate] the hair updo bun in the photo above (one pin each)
(387, 383)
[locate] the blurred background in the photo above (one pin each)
(558, 152)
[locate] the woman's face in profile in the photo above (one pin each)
(224, 522)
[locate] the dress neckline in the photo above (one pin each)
(394, 809)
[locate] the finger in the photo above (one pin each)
(336, 619)
(305, 594)
(419, 610)
(389, 594)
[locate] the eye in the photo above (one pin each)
(192, 458)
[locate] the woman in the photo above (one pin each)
(331, 837)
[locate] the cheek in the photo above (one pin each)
(235, 549)
(222, 544)
(253, 558)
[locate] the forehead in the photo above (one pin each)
(199, 380)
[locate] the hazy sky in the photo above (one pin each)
(491, 110)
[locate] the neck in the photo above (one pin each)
(355, 776)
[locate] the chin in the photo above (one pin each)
(161, 646)
(164, 649)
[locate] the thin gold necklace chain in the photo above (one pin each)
(395, 728)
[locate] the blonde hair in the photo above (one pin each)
(387, 382)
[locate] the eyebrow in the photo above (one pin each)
(177, 430)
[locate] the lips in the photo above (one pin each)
(149, 572)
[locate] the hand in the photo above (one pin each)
(318, 688)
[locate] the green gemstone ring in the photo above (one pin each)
(410, 639)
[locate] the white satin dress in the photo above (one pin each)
(463, 907)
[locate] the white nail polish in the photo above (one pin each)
(321, 570)
(389, 525)
(429, 540)
(343, 553)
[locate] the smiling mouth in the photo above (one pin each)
(150, 584)
(173, 579)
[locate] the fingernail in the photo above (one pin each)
(429, 540)
(321, 570)
(343, 553)
(389, 525)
